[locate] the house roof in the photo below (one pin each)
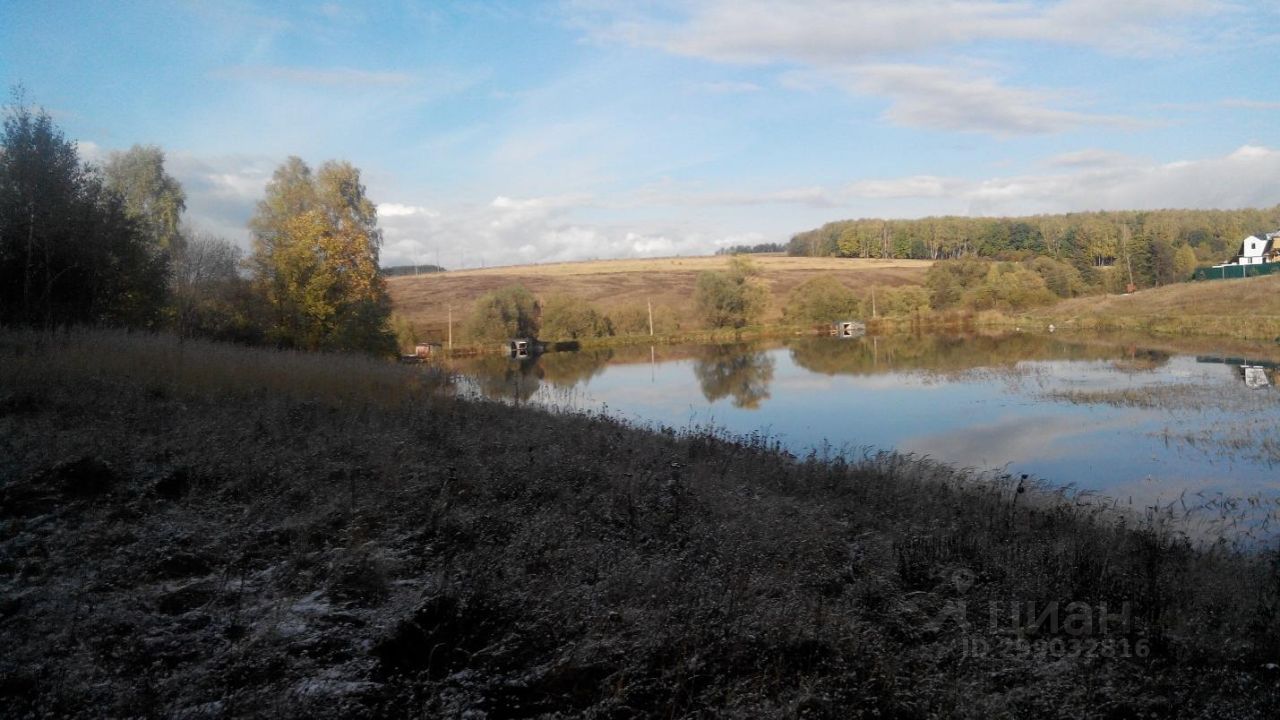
(1270, 243)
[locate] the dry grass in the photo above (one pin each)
(167, 366)
(295, 552)
(1246, 308)
(617, 284)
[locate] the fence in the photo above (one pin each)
(1235, 271)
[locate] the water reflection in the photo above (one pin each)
(499, 377)
(946, 354)
(567, 369)
(1255, 374)
(1142, 421)
(740, 372)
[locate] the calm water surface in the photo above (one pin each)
(1137, 425)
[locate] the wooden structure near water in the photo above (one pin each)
(848, 329)
(524, 347)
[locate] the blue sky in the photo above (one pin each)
(511, 132)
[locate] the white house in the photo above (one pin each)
(1255, 250)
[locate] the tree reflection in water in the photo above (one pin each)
(502, 378)
(738, 371)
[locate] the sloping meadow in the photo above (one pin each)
(200, 530)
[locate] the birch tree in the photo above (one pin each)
(315, 260)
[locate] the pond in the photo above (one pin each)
(1139, 424)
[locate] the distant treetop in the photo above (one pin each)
(398, 270)
(749, 249)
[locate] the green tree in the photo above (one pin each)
(948, 280)
(1099, 240)
(150, 194)
(565, 317)
(1008, 286)
(1184, 262)
(822, 299)
(1161, 263)
(1062, 279)
(69, 251)
(315, 259)
(908, 300)
(509, 312)
(734, 298)
(405, 332)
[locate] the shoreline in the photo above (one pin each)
(200, 529)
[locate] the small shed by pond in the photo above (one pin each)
(1255, 376)
(524, 347)
(848, 329)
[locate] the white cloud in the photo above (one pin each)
(222, 191)
(510, 231)
(90, 152)
(386, 210)
(1089, 158)
(812, 196)
(838, 32)
(919, 186)
(946, 99)
(539, 204)
(859, 45)
(1247, 177)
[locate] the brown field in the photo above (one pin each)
(1247, 308)
(616, 284)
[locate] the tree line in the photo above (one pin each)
(768, 247)
(1149, 247)
(406, 270)
(82, 243)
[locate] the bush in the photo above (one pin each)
(904, 301)
(634, 320)
(982, 285)
(1008, 286)
(406, 334)
(569, 318)
(1062, 279)
(731, 299)
(505, 313)
(822, 299)
(948, 280)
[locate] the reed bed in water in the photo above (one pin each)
(282, 535)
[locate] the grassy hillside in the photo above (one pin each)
(192, 530)
(618, 284)
(1246, 308)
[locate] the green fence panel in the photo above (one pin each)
(1235, 271)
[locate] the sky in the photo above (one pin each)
(498, 133)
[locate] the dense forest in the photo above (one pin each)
(89, 244)
(1153, 247)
